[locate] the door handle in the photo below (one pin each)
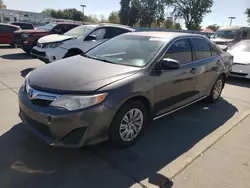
(193, 71)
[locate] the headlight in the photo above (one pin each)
(25, 35)
(26, 83)
(71, 102)
(53, 45)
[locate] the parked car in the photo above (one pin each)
(6, 33)
(76, 41)
(23, 25)
(225, 37)
(112, 91)
(241, 65)
(27, 39)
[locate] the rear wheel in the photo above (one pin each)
(128, 124)
(216, 90)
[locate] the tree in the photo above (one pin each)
(72, 14)
(91, 18)
(114, 17)
(247, 12)
(2, 5)
(103, 19)
(213, 27)
(124, 12)
(134, 12)
(192, 11)
(169, 24)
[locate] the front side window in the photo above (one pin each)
(8, 29)
(201, 48)
(80, 31)
(180, 51)
(48, 27)
(113, 32)
(100, 33)
(129, 50)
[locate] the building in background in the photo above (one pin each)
(7, 15)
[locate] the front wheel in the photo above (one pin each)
(216, 90)
(128, 124)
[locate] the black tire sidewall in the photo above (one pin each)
(211, 97)
(114, 132)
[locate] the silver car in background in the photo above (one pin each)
(241, 64)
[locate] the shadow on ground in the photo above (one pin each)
(239, 82)
(5, 47)
(26, 71)
(16, 56)
(25, 161)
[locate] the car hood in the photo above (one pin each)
(31, 31)
(78, 75)
(54, 38)
(240, 57)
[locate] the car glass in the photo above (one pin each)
(242, 46)
(8, 29)
(100, 33)
(80, 31)
(48, 27)
(201, 48)
(128, 50)
(227, 34)
(113, 32)
(180, 51)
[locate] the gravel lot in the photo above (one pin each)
(166, 147)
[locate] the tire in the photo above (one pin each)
(216, 91)
(72, 53)
(116, 131)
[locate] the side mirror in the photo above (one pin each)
(169, 64)
(90, 38)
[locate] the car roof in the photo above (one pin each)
(9, 25)
(161, 34)
(68, 23)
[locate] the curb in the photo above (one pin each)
(182, 162)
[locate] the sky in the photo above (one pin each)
(221, 9)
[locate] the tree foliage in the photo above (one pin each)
(192, 11)
(2, 5)
(72, 14)
(247, 12)
(114, 17)
(213, 27)
(124, 12)
(170, 24)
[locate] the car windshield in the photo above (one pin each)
(128, 50)
(80, 31)
(48, 27)
(225, 34)
(242, 46)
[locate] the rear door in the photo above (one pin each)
(207, 61)
(6, 34)
(175, 88)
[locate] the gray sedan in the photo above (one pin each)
(241, 64)
(114, 90)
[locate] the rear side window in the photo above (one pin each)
(181, 51)
(7, 28)
(113, 32)
(201, 48)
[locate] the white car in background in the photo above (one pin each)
(76, 41)
(241, 63)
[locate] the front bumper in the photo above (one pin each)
(241, 71)
(59, 127)
(49, 55)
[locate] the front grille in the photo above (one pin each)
(44, 130)
(239, 74)
(221, 43)
(17, 37)
(41, 102)
(41, 54)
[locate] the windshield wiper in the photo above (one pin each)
(95, 58)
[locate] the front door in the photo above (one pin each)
(175, 88)
(6, 34)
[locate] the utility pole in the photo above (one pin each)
(83, 7)
(231, 20)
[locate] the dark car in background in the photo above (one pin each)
(112, 91)
(23, 25)
(6, 33)
(27, 39)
